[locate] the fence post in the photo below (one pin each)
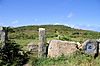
(42, 43)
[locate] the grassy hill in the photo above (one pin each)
(26, 34)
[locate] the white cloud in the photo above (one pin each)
(87, 27)
(14, 22)
(70, 15)
(70, 25)
(57, 24)
(82, 26)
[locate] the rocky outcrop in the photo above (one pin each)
(57, 48)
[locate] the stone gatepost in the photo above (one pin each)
(42, 43)
(2, 37)
(98, 40)
(90, 47)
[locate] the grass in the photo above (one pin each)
(26, 34)
(77, 59)
(24, 42)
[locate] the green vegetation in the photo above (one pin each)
(26, 34)
(77, 59)
(12, 54)
(52, 32)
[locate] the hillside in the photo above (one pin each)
(26, 34)
(31, 32)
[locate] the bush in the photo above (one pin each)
(11, 54)
(65, 38)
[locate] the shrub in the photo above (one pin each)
(11, 54)
(65, 38)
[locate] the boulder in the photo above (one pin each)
(90, 47)
(57, 48)
(32, 47)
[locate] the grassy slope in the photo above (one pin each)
(31, 32)
(77, 59)
(25, 34)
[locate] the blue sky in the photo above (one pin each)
(84, 14)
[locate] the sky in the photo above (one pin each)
(83, 14)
